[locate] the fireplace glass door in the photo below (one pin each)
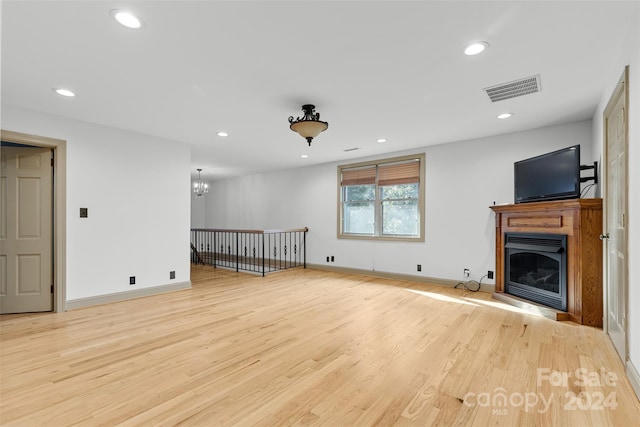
(536, 268)
(540, 271)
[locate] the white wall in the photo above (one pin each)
(136, 188)
(462, 180)
(198, 210)
(629, 55)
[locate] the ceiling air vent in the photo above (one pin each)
(513, 89)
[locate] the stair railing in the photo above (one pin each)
(255, 251)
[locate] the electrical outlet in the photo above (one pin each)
(489, 274)
(327, 259)
(466, 272)
(332, 258)
(132, 280)
(172, 275)
(419, 267)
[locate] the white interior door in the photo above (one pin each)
(616, 217)
(26, 236)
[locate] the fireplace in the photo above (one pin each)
(580, 220)
(536, 268)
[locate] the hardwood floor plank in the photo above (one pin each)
(307, 347)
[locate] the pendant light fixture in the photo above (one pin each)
(308, 126)
(200, 187)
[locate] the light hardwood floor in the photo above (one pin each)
(308, 347)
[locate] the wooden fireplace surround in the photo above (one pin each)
(581, 221)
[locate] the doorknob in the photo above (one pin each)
(604, 236)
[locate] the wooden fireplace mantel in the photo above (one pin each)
(581, 221)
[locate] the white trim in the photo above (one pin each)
(397, 276)
(634, 378)
(127, 295)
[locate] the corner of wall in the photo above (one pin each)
(634, 377)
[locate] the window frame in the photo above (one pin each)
(378, 201)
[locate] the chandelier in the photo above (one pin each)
(200, 187)
(308, 126)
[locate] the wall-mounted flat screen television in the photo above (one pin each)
(550, 176)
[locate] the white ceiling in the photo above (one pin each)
(374, 69)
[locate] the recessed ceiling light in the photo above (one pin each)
(64, 92)
(381, 140)
(222, 133)
(127, 19)
(505, 115)
(304, 156)
(476, 48)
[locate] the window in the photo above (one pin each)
(383, 199)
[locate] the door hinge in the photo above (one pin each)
(51, 288)
(51, 162)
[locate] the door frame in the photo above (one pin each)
(621, 89)
(59, 209)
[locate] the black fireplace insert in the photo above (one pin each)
(536, 268)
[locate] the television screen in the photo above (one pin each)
(551, 176)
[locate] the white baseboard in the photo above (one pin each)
(127, 295)
(420, 279)
(634, 378)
